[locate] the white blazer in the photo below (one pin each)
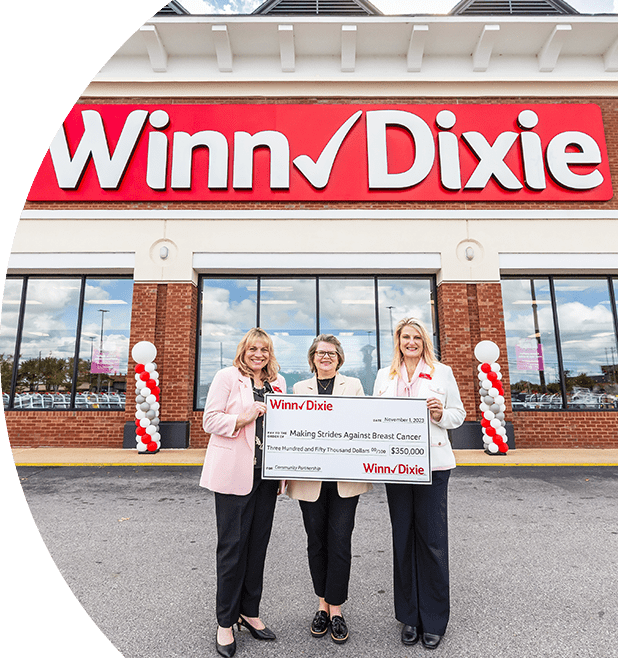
(309, 490)
(443, 386)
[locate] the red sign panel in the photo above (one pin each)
(322, 153)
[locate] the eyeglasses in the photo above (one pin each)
(330, 355)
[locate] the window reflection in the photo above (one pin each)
(287, 308)
(398, 299)
(288, 314)
(46, 365)
(588, 341)
(104, 344)
(229, 310)
(8, 333)
(47, 347)
(531, 344)
(347, 310)
(588, 347)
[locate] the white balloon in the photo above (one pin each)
(141, 447)
(150, 367)
(503, 407)
(501, 431)
(494, 392)
(155, 375)
(156, 437)
(495, 423)
(483, 407)
(486, 384)
(144, 422)
(139, 415)
(155, 406)
(493, 448)
(482, 376)
(145, 352)
(489, 415)
(480, 365)
(499, 399)
(151, 429)
(137, 377)
(499, 374)
(145, 392)
(495, 367)
(486, 351)
(151, 398)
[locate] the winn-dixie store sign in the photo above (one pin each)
(327, 153)
(346, 438)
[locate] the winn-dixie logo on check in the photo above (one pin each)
(235, 152)
(346, 438)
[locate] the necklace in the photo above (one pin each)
(329, 382)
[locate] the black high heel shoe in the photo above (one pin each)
(257, 633)
(226, 650)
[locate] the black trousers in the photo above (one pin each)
(244, 524)
(420, 552)
(329, 522)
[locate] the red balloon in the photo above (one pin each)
(490, 431)
(152, 447)
(492, 376)
(485, 423)
(139, 430)
(140, 368)
(503, 448)
(151, 384)
(137, 422)
(485, 367)
(144, 376)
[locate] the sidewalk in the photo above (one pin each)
(195, 457)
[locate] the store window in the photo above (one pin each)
(71, 335)
(361, 311)
(562, 342)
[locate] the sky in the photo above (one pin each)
(385, 6)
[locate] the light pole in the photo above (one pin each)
(102, 311)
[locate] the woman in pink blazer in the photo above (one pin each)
(244, 503)
(328, 508)
(419, 511)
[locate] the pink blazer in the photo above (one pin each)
(228, 467)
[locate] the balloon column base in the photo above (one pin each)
(148, 452)
(495, 454)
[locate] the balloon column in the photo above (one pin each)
(147, 393)
(492, 398)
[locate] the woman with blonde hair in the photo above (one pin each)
(244, 503)
(419, 511)
(328, 508)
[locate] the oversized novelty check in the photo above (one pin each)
(346, 438)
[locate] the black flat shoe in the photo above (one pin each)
(257, 633)
(320, 624)
(430, 641)
(338, 629)
(409, 635)
(226, 650)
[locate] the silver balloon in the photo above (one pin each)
(495, 408)
(144, 406)
(139, 399)
(155, 420)
(488, 400)
(151, 414)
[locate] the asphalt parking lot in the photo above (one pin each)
(533, 554)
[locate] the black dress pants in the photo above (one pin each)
(420, 552)
(244, 524)
(329, 522)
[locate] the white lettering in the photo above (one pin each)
(245, 144)
(559, 159)
(182, 158)
(377, 156)
(93, 144)
(491, 161)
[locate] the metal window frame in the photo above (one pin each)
(375, 278)
(551, 279)
(82, 278)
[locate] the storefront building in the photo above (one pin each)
(330, 173)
